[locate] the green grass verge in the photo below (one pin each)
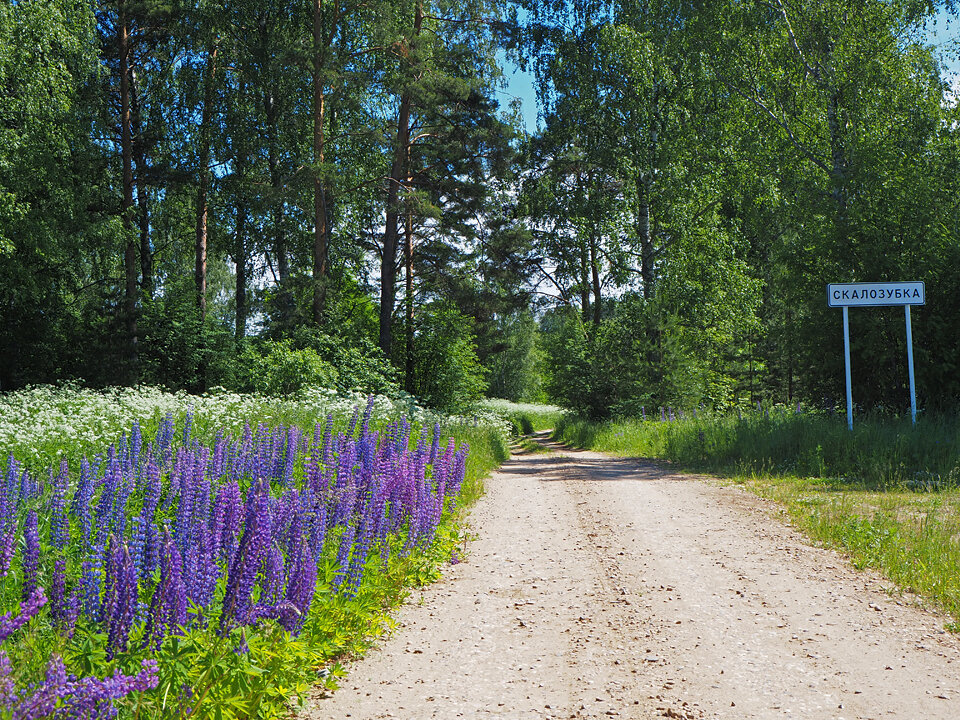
(886, 493)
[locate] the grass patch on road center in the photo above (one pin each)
(886, 494)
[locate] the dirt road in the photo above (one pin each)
(599, 587)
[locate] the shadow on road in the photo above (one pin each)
(573, 465)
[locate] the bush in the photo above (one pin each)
(359, 363)
(277, 368)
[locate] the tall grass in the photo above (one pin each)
(878, 453)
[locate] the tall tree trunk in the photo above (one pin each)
(143, 214)
(388, 263)
(321, 217)
(284, 300)
(203, 171)
(408, 373)
(584, 283)
(595, 278)
(645, 238)
(130, 251)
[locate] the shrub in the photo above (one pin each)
(277, 368)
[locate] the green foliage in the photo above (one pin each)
(359, 364)
(276, 368)
(515, 363)
(448, 374)
(646, 355)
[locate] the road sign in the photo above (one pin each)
(879, 293)
(847, 295)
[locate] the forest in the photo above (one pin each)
(262, 196)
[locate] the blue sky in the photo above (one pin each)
(942, 34)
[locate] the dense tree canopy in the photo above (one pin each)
(199, 194)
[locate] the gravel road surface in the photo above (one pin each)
(599, 587)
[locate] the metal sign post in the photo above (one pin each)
(846, 295)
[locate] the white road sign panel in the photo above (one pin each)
(878, 293)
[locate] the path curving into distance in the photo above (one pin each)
(599, 587)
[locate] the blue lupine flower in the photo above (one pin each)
(31, 554)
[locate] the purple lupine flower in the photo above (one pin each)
(87, 697)
(187, 425)
(58, 588)
(242, 648)
(200, 569)
(152, 488)
(8, 487)
(367, 455)
(294, 535)
(168, 608)
(300, 590)
(59, 522)
(7, 688)
(151, 550)
(290, 460)
(247, 558)
(459, 471)
(353, 422)
(28, 608)
(31, 554)
(29, 486)
(435, 446)
(347, 460)
(71, 612)
(318, 527)
(218, 461)
(343, 555)
(283, 513)
(272, 576)
(124, 607)
(112, 479)
(80, 506)
(358, 561)
(40, 701)
(225, 521)
(7, 538)
(110, 578)
(182, 529)
(91, 576)
(136, 440)
(138, 544)
(367, 414)
(190, 570)
(200, 515)
(164, 437)
(313, 474)
(275, 455)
